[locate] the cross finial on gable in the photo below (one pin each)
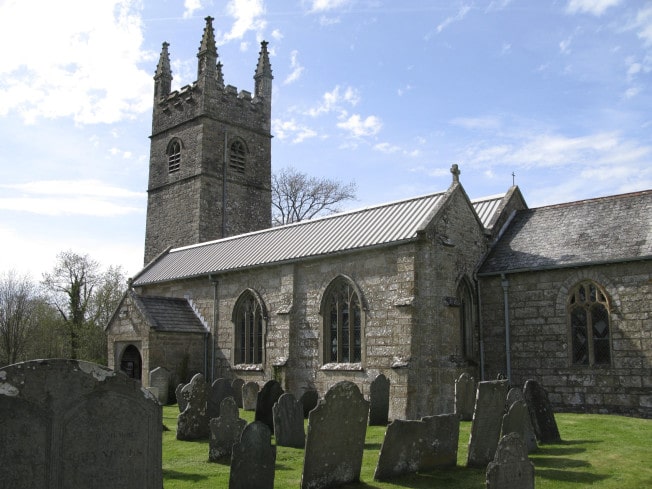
(456, 173)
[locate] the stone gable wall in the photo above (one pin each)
(540, 339)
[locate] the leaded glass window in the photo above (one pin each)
(249, 325)
(589, 324)
(343, 324)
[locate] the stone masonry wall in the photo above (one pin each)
(540, 338)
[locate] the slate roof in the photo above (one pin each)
(610, 229)
(169, 314)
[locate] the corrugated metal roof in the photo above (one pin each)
(487, 207)
(372, 226)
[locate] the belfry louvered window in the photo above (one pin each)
(237, 156)
(249, 319)
(342, 315)
(588, 311)
(174, 156)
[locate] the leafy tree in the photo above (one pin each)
(18, 298)
(297, 196)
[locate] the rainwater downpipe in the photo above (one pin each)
(508, 361)
(216, 317)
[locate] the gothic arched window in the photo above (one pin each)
(237, 156)
(588, 312)
(249, 318)
(342, 316)
(467, 320)
(174, 156)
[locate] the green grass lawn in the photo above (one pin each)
(604, 452)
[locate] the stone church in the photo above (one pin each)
(420, 290)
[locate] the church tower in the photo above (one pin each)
(210, 156)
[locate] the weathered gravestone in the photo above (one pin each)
(309, 400)
(159, 378)
(73, 424)
(267, 397)
(541, 413)
(236, 385)
(219, 390)
(288, 422)
(487, 421)
(335, 439)
(253, 459)
(225, 431)
(511, 468)
(379, 401)
(465, 397)
(182, 397)
(250, 395)
(423, 445)
(517, 420)
(192, 423)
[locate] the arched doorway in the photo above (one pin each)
(131, 363)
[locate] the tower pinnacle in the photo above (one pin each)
(163, 75)
(263, 76)
(207, 52)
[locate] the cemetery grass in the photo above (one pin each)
(600, 451)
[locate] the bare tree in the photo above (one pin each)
(18, 298)
(297, 196)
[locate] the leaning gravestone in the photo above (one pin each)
(465, 397)
(220, 389)
(511, 468)
(517, 420)
(236, 385)
(253, 459)
(192, 423)
(309, 400)
(225, 431)
(73, 424)
(288, 422)
(250, 395)
(159, 378)
(335, 439)
(379, 401)
(541, 413)
(267, 397)
(487, 421)
(418, 446)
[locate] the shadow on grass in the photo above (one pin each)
(570, 476)
(182, 476)
(372, 446)
(559, 463)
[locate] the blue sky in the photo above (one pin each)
(388, 94)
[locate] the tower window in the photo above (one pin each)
(174, 156)
(589, 325)
(237, 156)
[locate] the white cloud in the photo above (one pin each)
(595, 7)
(488, 122)
(464, 9)
(277, 35)
(387, 148)
(333, 101)
(83, 66)
(564, 46)
(358, 127)
(644, 24)
(296, 67)
(190, 7)
(248, 15)
(325, 5)
(291, 130)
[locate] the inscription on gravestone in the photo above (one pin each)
(335, 439)
(379, 401)
(69, 424)
(487, 421)
(511, 468)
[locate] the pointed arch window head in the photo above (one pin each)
(174, 156)
(237, 156)
(249, 319)
(588, 311)
(343, 323)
